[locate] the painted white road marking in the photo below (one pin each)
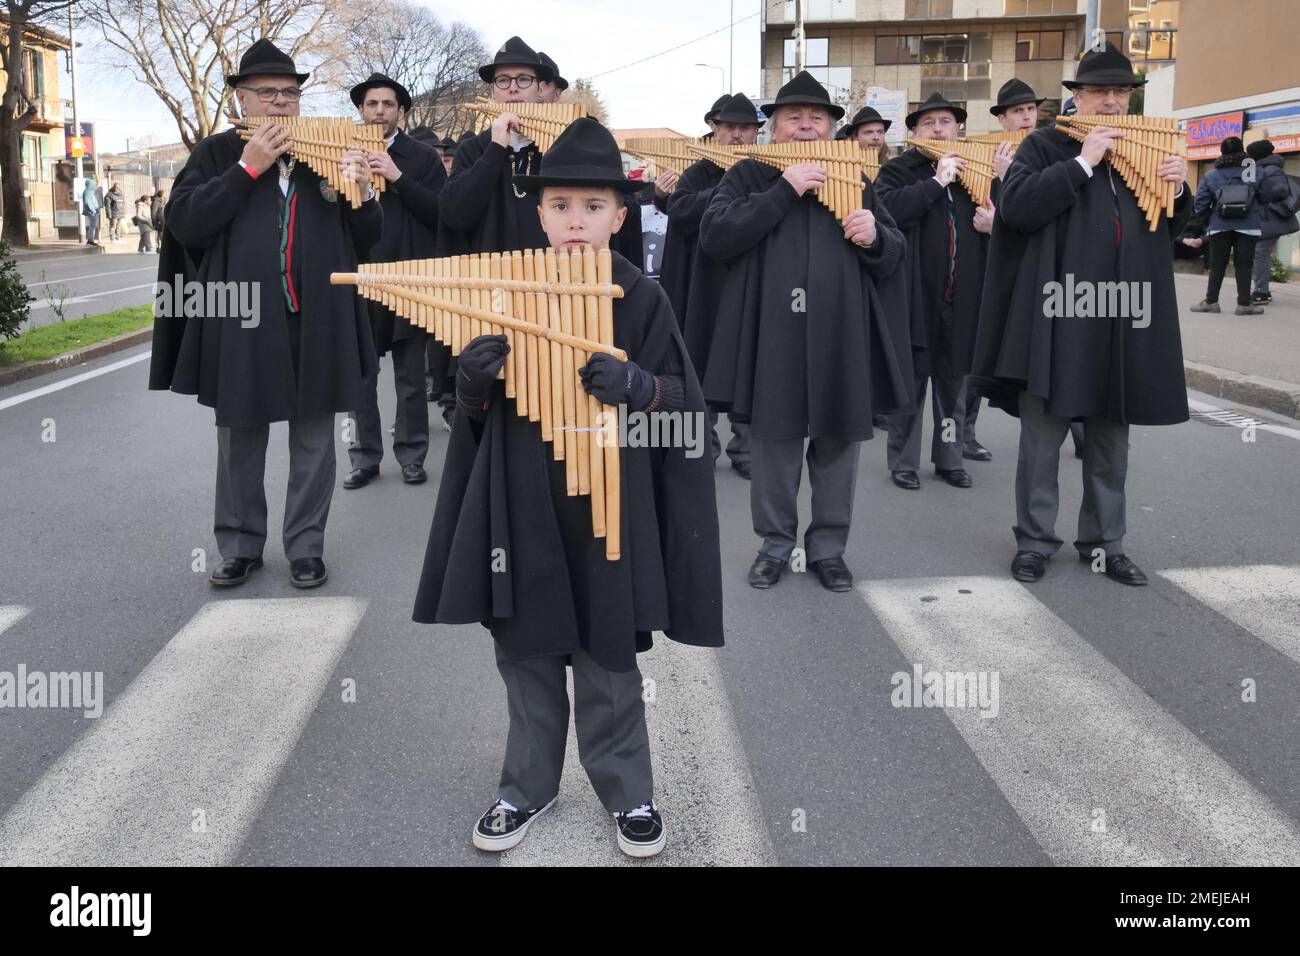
(1263, 599)
(74, 380)
(1075, 736)
(206, 726)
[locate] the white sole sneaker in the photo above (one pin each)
(506, 841)
(640, 849)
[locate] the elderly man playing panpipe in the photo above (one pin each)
(306, 351)
(1069, 220)
(692, 280)
(511, 550)
(811, 335)
(947, 242)
(414, 175)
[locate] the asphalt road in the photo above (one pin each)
(1149, 725)
(88, 284)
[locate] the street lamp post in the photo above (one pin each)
(723, 72)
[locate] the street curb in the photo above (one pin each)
(18, 373)
(1268, 394)
(26, 255)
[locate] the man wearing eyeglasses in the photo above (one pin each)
(1068, 220)
(247, 217)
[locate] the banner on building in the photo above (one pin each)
(83, 144)
(1206, 133)
(892, 106)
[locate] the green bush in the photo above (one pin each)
(14, 297)
(1278, 272)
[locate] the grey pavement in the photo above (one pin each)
(1123, 734)
(84, 284)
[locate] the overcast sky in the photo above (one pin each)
(586, 38)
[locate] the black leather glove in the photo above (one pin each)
(617, 383)
(477, 367)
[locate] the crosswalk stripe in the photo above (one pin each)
(1262, 598)
(10, 614)
(206, 726)
(702, 782)
(1074, 736)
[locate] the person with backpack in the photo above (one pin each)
(1228, 202)
(1279, 196)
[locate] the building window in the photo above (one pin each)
(816, 50)
(893, 50)
(1037, 8)
(35, 74)
(813, 10)
(928, 10)
(1040, 45)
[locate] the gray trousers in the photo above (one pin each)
(968, 409)
(1105, 466)
(411, 433)
(240, 522)
(609, 715)
(1263, 265)
(904, 449)
(777, 467)
(738, 446)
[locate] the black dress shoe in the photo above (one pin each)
(765, 572)
(957, 477)
(741, 468)
(360, 477)
(1120, 568)
(307, 573)
(974, 451)
(233, 571)
(833, 573)
(414, 474)
(1028, 566)
(906, 479)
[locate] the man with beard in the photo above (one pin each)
(811, 336)
(1067, 215)
(415, 175)
(947, 237)
(692, 280)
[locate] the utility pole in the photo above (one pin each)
(76, 120)
(798, 36)
(1090, 29)
(731, 47)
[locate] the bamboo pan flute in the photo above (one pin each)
(844, 160)
(319, 141)
(726, 156)
(663, 153)
(556, 309)
(1015, 137)
(977, 176)
(1148, 141)
(541, 122)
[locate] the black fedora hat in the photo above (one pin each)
(737, 109)
(515, 52)
(1108, 67)
(358, 92)
(868, 114)
(804, 90)
(935, 101)
(1013, 93)
(264, 58)
(585, 154)
(554, 67)
(423, 134)
(712, 114)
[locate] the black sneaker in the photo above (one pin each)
(503, 826)
(1261, 298)
(640, 831)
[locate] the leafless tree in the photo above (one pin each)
(584, 92)
(17, 108)
(184, 49)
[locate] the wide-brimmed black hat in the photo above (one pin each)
(935, 101)
(264, 58)
(804, 90)
(712, 114)
(554, 67)
(1013, 93)
(448, 145)
(423, 134)
(1108, 67)
(868, 114)
(358, 92)
(585, 154)
(515, 52)
(737, 109)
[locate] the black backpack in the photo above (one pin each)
(1288, 205)
(1234, 199)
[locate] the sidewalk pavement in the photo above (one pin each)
(1250, 359)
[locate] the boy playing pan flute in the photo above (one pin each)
(511, 550)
